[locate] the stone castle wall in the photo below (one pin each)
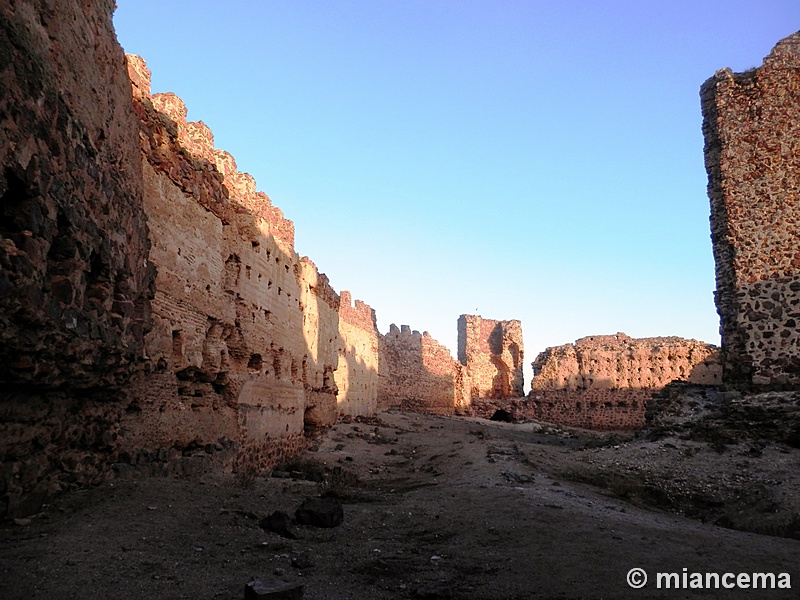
(752, 153)
(605, 381)
(417, 373)
(621, 362)
(492, 352)
(154, 316)
(357, 373)
(75, 281)
(74, 294)
(156, 319)
(246, 334)
(595, 408)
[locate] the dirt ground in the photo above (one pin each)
(434, 508)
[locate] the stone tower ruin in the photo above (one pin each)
(752, 154)
(492, 351)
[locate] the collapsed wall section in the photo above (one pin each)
(417, 373)
(605, 381)
(752, 154)
(621, 362)
(492, 351)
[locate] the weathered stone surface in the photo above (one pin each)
(75, 282)
(356, 375)
(235, 341)
(605, 381)
(246, 332)
(492, 351)
(621, 362)
(752, 153)
(74, 278)
(417, 373)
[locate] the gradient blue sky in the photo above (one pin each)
(540, 161)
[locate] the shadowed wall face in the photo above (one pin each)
(75, 283)
(418, 373)
(752, 152)
(74, 277)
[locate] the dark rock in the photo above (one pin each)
(503, 416)
(302, 561)
(320, 512)
(259, 589)
(281, 523)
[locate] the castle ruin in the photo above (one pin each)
(751, 124)
(155, 317)
(492, 351)
(604, 382)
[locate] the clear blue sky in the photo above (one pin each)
(540, 161)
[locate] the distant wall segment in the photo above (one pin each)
(418, 373)
(492, 352)
(605, 381)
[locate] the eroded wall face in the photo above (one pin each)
(595, 408)
(74, 281)
(492, 351)
(621, 362)
(222, 360)
(356, 376)
(74, 284)
(250, 339)
(419, 374)
(605, 381)
(752, 132)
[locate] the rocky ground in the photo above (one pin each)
(448, 508)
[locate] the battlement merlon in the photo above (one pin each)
(198, 140)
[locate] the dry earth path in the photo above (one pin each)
(435, 507)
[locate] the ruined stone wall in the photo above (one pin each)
(154, 315)
(621, 362)
(357, 374)
(250, 340)
(752, 153)
(73, 238)
(492, 352)
(227, 341)
(417, 373)
(599, 409)
(75, 284)
(605, 381)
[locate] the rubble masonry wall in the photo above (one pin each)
(752, 153)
